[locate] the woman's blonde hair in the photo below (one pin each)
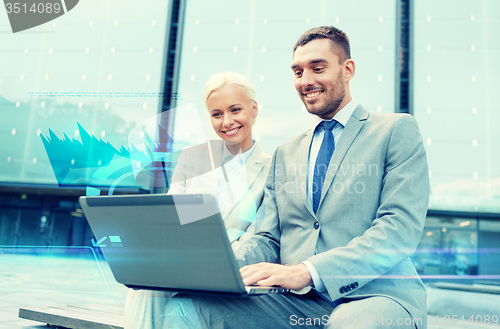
(219, 80)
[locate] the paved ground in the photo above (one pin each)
(34, 278)
(37, 278)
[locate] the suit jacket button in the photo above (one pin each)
(316, 225)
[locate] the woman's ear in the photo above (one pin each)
(255, 109)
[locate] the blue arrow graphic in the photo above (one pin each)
(98, 242)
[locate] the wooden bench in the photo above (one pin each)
(78, 316)
(485, 287)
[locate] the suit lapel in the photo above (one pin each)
(254, 165)
(350, 132)
(211, 163)
(303, 159)
(215, 152)
(250, 171)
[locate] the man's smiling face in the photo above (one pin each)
(320, 79)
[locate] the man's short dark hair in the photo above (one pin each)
(340, 40)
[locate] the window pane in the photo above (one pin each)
(456, 101)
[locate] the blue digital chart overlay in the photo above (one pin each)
(147, 161)
(25, 14)
(115, 241)
(63, 269)
(87, 162)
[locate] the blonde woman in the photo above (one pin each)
(233, 169)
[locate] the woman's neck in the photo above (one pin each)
(241, 147)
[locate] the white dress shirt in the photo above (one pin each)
(232, 166)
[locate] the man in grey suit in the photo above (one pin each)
(344, 209)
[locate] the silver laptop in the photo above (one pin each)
(167, 242)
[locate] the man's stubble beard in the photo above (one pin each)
(333, 107)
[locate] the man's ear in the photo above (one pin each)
(350, 69)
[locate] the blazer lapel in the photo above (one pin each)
(303, 159)
(252, 168)
(254, 165)
(350, 132)
(214, 155)
(208, 178)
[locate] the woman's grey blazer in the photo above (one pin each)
(198, 171)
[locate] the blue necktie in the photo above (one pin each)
(322, 161)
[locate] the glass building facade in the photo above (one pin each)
(456, 75)
(95, 66)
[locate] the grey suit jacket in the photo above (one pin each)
(197, 171)
(370, 218)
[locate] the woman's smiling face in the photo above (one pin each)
(232, 115)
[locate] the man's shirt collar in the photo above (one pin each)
(342, 116)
